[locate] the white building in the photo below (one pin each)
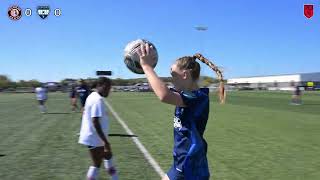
(276, 82)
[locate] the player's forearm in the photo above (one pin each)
(158, 86)
(98, 128)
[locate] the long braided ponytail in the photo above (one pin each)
(222, 93)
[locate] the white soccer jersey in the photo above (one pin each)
(94, 107)
(41, 93)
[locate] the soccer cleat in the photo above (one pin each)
(112, 171)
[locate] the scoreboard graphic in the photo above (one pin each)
(15, 12)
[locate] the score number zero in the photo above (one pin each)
(57, 12)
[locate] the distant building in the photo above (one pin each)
(276, 82)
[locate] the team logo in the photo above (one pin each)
(308, 10)
(43, 11)
(14, 12)
(177, 123)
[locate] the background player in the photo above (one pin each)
(94, 130)
(41, 95)
(83, 92)
(73, 98)
(296, 96)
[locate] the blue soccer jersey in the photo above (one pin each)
(190, 148)
(83, 92)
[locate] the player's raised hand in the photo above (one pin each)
(145, 54)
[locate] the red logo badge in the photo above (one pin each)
(308, 10)
(14, 13)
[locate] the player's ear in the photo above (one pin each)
(185, 74)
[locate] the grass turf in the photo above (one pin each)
(256, 135)
(44, 146)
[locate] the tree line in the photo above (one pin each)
(6, 82)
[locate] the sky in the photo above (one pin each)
(244, 37)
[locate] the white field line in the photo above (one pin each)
(144, 151)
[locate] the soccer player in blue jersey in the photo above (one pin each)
(83, 92)
(73, 97)
(296, 97)
(190, 116)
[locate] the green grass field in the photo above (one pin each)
(256, 135)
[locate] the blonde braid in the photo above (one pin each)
(222, 93)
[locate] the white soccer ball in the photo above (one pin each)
(131, 57)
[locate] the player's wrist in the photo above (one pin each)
(146, 67)
(144, 64)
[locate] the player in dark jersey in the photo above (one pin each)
(73, 97)
(190, 116)
(296, 97)
(83, 92)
